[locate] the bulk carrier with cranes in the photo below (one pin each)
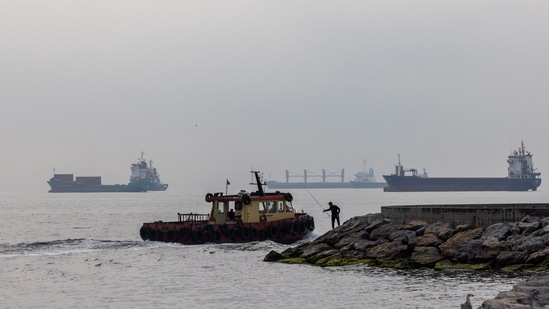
(363, 179)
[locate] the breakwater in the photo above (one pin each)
(477, 215)
(377, 240)
(473, 236)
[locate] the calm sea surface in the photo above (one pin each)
(84, 250)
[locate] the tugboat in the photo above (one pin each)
(238, 218)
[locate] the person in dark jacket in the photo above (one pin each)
(335, 213)
(231, 214)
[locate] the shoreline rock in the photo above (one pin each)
(532, 293)
(375, 240)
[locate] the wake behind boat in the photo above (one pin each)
(237, 218)
(521, 177)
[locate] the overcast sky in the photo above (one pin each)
(211, 89)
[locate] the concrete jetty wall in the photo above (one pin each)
(478, 215)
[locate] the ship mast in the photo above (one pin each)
(260, 190)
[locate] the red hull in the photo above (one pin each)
(191, 233)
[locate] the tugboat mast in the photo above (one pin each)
(260, 190)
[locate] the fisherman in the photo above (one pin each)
(335, 213)
(231, 214)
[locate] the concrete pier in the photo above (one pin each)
(478, 215)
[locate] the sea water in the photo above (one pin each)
(83, 250)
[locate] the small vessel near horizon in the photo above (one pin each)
(236, 218)
(522, 176)
(363, 180)
(144, 177)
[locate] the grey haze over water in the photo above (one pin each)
(210, 90)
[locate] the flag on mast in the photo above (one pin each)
(228, 183)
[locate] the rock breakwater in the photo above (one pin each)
(532, 293)
(375, 240)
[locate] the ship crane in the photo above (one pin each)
(307, 174)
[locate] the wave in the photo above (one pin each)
(81, 245)
(68, 246)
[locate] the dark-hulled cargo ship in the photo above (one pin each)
(521, 177)
(143, 178)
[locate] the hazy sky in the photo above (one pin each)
(210, 89)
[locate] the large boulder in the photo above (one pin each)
(426, 240)
(498, 230)
(426, 256)
(461, 237)
(510, 258)
(388, 250)
(441, 229)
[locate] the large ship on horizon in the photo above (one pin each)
(143, 178)
(363, 180)
(521, 176)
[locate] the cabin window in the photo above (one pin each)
(280, 206)
(272, 207)
(263, 208)
(220, 207)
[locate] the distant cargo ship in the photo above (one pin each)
(521, 177)
(363, 179)
(144, 177)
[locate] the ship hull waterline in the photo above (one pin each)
(56, 188)
(282, 231)
(441, 184)
(324, 185)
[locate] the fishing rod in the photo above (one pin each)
(319, 205)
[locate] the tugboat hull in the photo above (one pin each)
(285, 232)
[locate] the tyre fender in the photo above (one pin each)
(246, 199)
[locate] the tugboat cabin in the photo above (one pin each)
(250, 208)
